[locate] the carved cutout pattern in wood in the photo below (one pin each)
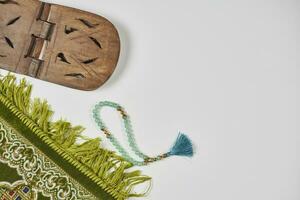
(57, 44)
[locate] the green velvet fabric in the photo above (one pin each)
(6, 115)
(8, 174)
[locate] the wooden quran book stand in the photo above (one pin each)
(58, 44)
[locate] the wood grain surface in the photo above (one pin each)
(58, 44)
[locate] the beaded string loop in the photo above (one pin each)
(182, 146)
(129, 133)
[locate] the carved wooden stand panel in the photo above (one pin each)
(57, 44)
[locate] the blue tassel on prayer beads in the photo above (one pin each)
(182, 147)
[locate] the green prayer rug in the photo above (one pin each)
(41, 159)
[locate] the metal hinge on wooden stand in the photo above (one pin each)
(38, 43)
(58, 44)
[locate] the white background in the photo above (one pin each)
(226, 72)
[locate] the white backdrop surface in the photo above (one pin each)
(226, 72)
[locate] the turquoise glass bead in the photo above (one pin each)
(129, 133)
